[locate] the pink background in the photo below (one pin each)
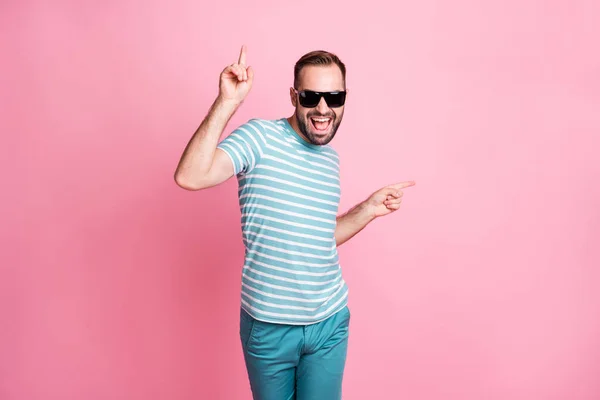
(115, 285)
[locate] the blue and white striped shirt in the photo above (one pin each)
(289, 192)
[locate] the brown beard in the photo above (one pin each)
(304, 129)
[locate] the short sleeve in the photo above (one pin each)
(244, 146)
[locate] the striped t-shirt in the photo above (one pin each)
(289, 193)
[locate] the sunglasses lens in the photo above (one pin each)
(335, 99)
(309, 99)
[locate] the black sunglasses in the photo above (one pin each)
(310, 99)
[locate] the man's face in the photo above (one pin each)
(319, 124)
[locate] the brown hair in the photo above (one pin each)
(317, 57)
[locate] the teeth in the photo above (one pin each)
(321, 119)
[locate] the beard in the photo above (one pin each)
(307, 130)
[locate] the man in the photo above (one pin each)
(294, 317)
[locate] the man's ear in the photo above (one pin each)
(293, 98)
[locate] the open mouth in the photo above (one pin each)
(321, 124)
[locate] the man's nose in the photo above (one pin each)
(322, 107)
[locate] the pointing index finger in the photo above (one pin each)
(242, 59)
(403, 185)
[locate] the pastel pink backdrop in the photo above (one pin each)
(116, 284)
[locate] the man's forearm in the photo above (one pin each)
(197, 157)
(352, 222)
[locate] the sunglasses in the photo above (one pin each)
(310, 99)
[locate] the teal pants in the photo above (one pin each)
(295, 362)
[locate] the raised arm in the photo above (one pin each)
(201, 165)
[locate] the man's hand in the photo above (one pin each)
(386, 200)
(236, 80)
(383, 202)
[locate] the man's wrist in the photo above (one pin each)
(227, 104)
(362, 213)
(368, 212)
